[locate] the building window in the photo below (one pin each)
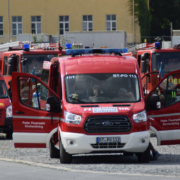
(63, 24)
(110, 22)
(16, 25)
(36, 24)
(1, 26)
(88, 23)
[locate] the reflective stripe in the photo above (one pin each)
(164, 115)
(61, 119)
(36, 117)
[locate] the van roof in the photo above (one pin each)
(89, 64)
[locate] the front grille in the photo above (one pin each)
(107, 124)
(107, 145)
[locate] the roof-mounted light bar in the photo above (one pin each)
(95, 51)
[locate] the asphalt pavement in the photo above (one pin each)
(15, 171)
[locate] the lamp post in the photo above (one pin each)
(8, 23)
(133, 21)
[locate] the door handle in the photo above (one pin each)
(19, 112)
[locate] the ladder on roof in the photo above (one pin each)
(6, 46)
(140, 46)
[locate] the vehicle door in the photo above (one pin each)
(165, 122)
(32, 124)
(149, 80)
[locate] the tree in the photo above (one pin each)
(162, 13)
(142, 14)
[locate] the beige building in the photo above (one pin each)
(54, 17)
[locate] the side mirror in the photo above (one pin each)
(23, 61)
(11, 63)
(154, 102)
(145, 56)
(52, 105)
(143, 66)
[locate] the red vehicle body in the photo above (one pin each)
(164, 122)
(5, 110)
(149, 60)
(70, 120)
(17, 59)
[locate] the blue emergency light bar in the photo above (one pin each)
(158, 45)
(93, 51)
(26, 47)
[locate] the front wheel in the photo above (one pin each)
(53, 152)
(65, 158)
(9, 135)
(144, 157)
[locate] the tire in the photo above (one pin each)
(145, 156)
(65, 158)
(9, 135)
(53, 152)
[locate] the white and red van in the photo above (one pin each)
(91, 102)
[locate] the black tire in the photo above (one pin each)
(53, 152)
(65, 158)
(9, 135)
(145, 156)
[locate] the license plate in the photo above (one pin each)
(108, 139)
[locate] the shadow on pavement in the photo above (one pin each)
(105, 159)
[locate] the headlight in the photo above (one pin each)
(72, 118)
(9, 111)
(140, 117)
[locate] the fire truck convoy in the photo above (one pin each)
(91, 101)
(19, 57)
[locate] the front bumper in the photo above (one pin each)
(134, 142)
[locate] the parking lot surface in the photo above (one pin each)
(168, 163)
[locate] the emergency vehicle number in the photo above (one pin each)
(108, 139)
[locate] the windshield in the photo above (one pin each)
(30, 61)
(102, 88)
(170, 61)
(3, 90)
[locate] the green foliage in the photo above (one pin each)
(142, 14)
(163, 12)
(34, 38)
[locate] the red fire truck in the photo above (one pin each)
(152, 59)
(93, 103)
(28, 58)
(160, 72)
(5, 110)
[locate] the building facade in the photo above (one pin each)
(54, 17)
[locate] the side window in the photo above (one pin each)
(45, 76)
(5, 66)
(33, 93)
(24, 90)
(169, 90)
(17, 64)
(139, 60)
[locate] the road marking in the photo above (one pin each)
(75, 170)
